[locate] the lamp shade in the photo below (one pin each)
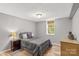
(13, 35)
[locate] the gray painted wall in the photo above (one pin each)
(10, 23)
(75, 24)
(63, 26)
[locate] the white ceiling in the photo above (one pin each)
(27, 10)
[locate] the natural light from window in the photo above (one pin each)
(50, 27)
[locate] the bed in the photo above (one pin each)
(36, 46)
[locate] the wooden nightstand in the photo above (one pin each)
(15, 45)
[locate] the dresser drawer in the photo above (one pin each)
(69, 49)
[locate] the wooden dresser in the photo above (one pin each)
(69, 47)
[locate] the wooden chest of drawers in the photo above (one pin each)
(69, 48)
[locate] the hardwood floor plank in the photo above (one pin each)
(53, 51)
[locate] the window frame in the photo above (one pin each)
(47, 27)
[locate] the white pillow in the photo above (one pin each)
(32, 35)
(24, 36)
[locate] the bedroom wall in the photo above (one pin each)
(63, 26)
(10, 23)
(75, 24)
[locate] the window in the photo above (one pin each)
(50, 27)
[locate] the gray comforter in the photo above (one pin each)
(35, 41)
(36, 46)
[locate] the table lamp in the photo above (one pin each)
(13, 35)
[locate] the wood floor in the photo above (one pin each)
(53, 51)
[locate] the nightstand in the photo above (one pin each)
(15, 45)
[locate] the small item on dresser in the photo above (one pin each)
(71, 36)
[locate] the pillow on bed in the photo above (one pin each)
(24, 36)
(29, 35)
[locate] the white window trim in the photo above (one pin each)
(47, 29)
